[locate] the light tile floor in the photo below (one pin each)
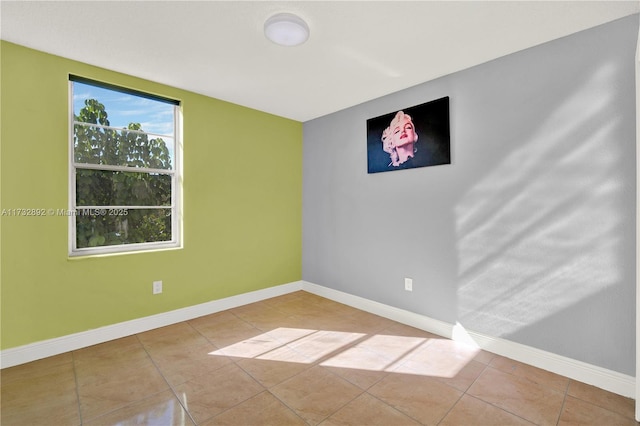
(297, 359)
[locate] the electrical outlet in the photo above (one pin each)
(408, 284)
(157, 287)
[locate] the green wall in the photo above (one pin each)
(242, 190)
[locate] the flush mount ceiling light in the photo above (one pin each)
(286, 29)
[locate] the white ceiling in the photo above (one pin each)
(357, 51)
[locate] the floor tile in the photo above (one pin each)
(224, 329)
(287, 354)
(471, 411)
(34, 368)
(102, 392)
(300, 305)
(270, 373)
(114, 374)
(581, 413)
(484, 357)
(315, 394)
(287, 335)
(398, 329)
(321, 321)
(265, 343)
(41, 393)
(363, 378)
(255, 309)
(610, 401)
(533, 374)
(262, 409)
(362, 357)
(251, 347)
(108, 353)
(160, 409)
(277, 301)
(436, 358)
(180, 366)
(263, 317)
(368, 411)
(465, 377)
(421, 398)
(170, 339)
(213, 393)
(324, 343)
(332, 308)
(393, 347)
(365, 322)
(518, 395)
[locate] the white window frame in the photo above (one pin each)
(176, 185)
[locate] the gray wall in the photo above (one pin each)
(529, 235)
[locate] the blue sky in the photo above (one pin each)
(123, 108)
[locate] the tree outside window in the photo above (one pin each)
(124, 179)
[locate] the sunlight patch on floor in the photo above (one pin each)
(359, 351)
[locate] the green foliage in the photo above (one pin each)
(132, 148)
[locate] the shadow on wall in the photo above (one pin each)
(548, 226)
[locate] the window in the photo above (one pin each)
(124, 170)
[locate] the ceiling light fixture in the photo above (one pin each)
(286, 29)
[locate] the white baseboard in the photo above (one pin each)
(602, 378)
(605, 379)
(46, 348)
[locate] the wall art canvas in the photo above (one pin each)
(416, 136)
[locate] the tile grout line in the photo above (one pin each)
(146, 396)
(265, 390)
(607, 408)
(564, 401)
(75, 378)
(488, 366)
(268, 389)
(342, 406)
(115, 410)
(465, 393)
(234, 361)
(394, 408)
(313, 364)
(173, 391)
